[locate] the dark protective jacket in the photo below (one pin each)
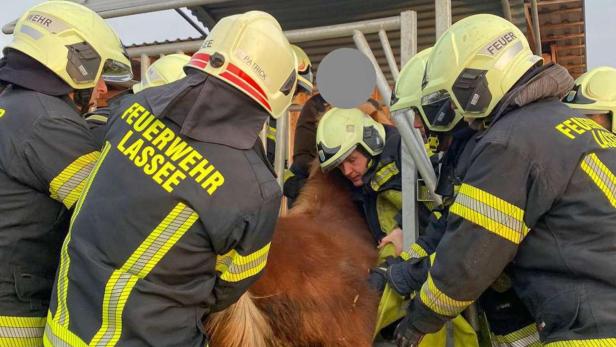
(509, 321)
(175, 223)
(538, 192)
(46, 153)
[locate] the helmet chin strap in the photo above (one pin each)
(82, 99)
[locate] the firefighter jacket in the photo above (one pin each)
(538, 192)
(509, 321)
(46, 153)
(174, 224)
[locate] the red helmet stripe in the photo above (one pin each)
(241, 74)
(199, 60)
(247, 88)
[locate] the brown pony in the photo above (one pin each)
(314, 289)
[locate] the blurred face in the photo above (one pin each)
(98, 93)
(604, 120)
(354, 167)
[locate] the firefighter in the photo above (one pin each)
(304, 86)
(60, 51)
(538, 173)
(594, 95)
(165, 70)
(509, 321)
(186, 228)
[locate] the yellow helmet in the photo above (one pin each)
(250, 52)
(167, 69)
(72, 41)
(472, 66)
(341, 130)
(304, 70)
(595, 93)
(407, 93)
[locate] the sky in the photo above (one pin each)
(168, 25)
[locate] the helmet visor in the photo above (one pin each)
(438, 108)
(115, 71)
(330, 158)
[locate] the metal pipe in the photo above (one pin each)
(165, 48)
(409, 198)
(110, 9)
(442, 13)
(408, 36)
(536, 27)
(281, 147)
(424, 167)
(145, 64)
(506, 9)
(407, 132)
(340, 30)
(389, 54)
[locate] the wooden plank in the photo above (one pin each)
(562, 25)
(442, 13)
(569, 47)
(557, 2)
(561, 11)
(563, 37)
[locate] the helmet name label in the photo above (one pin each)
(46, 21)
(247, 59)
(494, 47)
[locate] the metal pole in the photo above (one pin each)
(407, 132)
(281, 147)
(506, 9)
(408, 36)
(536, 27)
(145, 64)
(442, 13)
(389, 54)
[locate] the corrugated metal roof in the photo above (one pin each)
(313, 13)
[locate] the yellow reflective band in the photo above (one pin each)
(416, 251)
(437, 214)
(525, 337)
(69, 183)
(98, 118)
(271, 133)
(139, 265)
(439, 302)
(288, 174)
(584, 343)
(234, 267)
(383, 175)
(62, 314)
(2, 112)
(601, 175)
(59, 336)
(490, 212)
(21, 331)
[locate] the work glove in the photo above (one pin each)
(378, 276)
(406, 335)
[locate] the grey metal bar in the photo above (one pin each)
(165, 48)
(191, 22)
(409, 198)
(408, 36)
(442, 12)
(145, 64)
(389, 54)
(340, 30)
(536, 27)
(281, 147)
(506, 9)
